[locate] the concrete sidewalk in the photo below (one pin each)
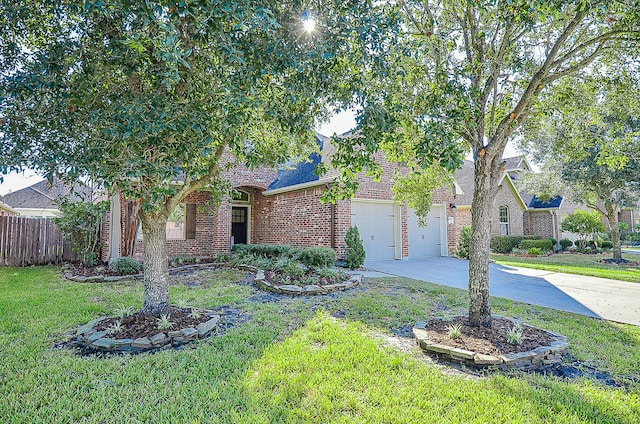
(596, 297)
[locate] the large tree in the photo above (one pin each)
(586, 136)
(465, 73)
(155, 99)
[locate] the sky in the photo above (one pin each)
(340, 123)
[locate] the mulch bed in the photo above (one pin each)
(619, 262)
(139, 325)
(488, 341)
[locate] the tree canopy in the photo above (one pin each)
(465, 74)
(157, 98)
(587, 136)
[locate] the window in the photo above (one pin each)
(176, 223)
(240, 196)
(181, 224)
(504, 220)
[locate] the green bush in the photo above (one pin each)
(80, 223)
(534, 251)
(607, 244)
(553, 241)
(566, 243)
(465, 242)
(317, 257)
(543, 245)
(288, 266)
(505, 244)
(126, 266)
(355, 254)
(266, 250)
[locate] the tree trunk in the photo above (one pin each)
(612, 218)
(481, 210)
(156, 268)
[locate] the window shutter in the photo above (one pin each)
(190, 221)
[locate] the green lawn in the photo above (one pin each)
(579, 264)
(292, 361)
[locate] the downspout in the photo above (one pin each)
(333, 226)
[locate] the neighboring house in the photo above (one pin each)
(283, 207)
(515, 212)
(6, 210)
(41, 199)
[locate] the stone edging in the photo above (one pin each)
(311, 289)
(102, 279)
(539, 357)
(88, 337)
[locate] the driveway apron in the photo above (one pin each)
(591, 296)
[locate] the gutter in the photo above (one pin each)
(297, 187)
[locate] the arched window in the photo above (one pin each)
(241, 197)
(504, 220)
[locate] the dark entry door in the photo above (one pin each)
(239, 225)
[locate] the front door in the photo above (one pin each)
(239, 224)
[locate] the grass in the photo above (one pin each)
(292, 361)
(579, 264)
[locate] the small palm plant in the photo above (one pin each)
(164, 323)
(454, 331)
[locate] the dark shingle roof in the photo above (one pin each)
(302, 172)
(464, 178)
(554, 202)
(43, 196)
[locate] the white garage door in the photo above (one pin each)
(376, 224)
(426, 242)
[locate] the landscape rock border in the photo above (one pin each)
(101, 278)
(87, 336)
(543, 356)
(311, 289)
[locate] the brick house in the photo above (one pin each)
(515, 212)
(283, 207)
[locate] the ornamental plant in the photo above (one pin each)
(355, 254)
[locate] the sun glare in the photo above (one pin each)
(309, 25)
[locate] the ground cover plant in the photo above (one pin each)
(286, 265)
(341, 357)
(589, 265)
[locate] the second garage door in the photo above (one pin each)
(376, 223)
(426, 242)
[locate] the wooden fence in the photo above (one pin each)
(32, 241)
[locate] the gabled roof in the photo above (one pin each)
(554, 202)
(41, 195)
(512, 167)
(302, 172)
(464, 178)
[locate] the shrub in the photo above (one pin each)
(465, 242)
(543, 245)
(317, 257)
(288, 266)
(534, 251)
(607, 244)
(80, 223)
(566, 243)
(266, 250)
(505, 244)
(553, 241)
(355, 254)
(125, 266)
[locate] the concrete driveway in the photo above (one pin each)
(595, 297)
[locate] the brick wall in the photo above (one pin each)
(542, 223)
(506, 197)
